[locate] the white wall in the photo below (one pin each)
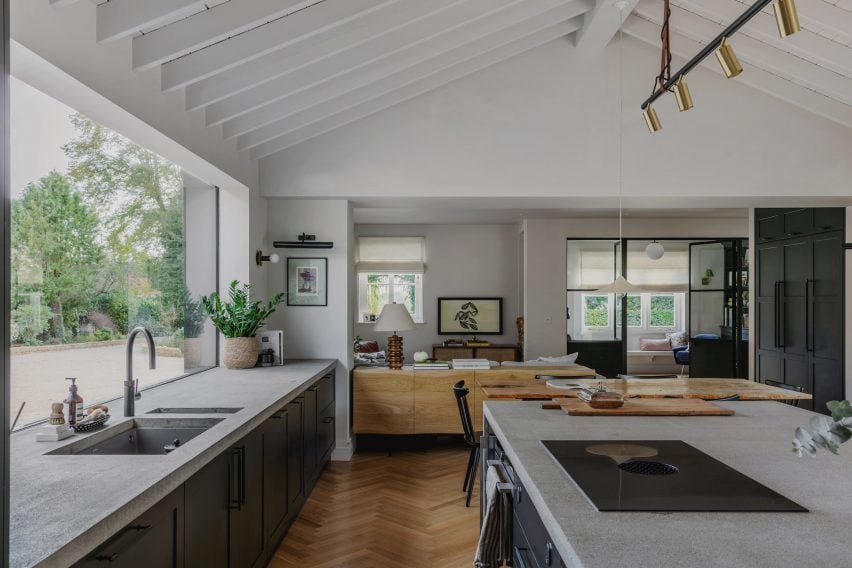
(545, 125)
(461, 260)
(317, 332)
(546, 265)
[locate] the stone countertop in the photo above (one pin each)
(756, 441)
(64, 506)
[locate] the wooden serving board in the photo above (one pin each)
(648, 407)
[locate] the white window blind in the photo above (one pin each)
(668, 274)
(391, 254)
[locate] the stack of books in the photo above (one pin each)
(475, 364)
(432, 365)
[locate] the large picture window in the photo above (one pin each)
(106, 235)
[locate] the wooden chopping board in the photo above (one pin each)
(648, 407)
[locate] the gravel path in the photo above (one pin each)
(39, 378)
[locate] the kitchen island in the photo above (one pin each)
(756, 441)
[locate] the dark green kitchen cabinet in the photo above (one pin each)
(235, 510)
(275, 472)
(153, 539)
(246, 497)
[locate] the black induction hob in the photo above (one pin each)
(661, 476)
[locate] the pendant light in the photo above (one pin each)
(655, 250)
(787, 17)
(620, 285)
(682, 94)
(728, 59)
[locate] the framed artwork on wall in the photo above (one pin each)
(307, 281)
(470, 316)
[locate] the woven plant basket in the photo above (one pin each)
(240, 352)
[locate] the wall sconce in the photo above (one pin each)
(260, 258)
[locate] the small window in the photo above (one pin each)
(596, 312)
(390, 270)
(634, 311)
(377, 289)
(662, 310)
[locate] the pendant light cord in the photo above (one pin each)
(620, 119)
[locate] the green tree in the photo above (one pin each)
(54, 230)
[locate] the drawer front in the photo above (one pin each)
(538, 540)
(770, 226)
(325, 392)
(325, 434)
(829, 218)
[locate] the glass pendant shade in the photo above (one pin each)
(619, 286)
(655, 250)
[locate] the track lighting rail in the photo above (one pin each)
(708, 49)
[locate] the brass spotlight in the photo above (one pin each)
(651, 119)
(787, 17)
(728, 59)
(682, 94)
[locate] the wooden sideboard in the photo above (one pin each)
(498, 353)
(405, 401)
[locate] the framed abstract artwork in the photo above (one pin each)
(470, 316)
(307, 281)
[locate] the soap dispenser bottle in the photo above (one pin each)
(74, 402)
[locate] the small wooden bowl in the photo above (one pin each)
(604, 399)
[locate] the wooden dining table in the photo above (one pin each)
(707, 389)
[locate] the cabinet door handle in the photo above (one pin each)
(809, 328)
(233, 480)
(328, 419)
(139, 530)
(279, 415)
(520, 555)
(313, 388)
(242, 475)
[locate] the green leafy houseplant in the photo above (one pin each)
(826, 433)
(239, 319)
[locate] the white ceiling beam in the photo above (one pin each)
(419, 87)
(826, 16)
(410, 42)
(601, 24)
(320, 46)
(58, 3)
(263, 40)
(805, 44)
(206, 28)
(398, 69)
(778, 87)
(122, 18)
(754, 52)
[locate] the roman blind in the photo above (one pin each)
(391, 254)
(668, 274)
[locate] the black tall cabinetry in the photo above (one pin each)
(799, 299)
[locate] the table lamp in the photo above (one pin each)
(394, 317)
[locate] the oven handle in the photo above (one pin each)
(506, 490)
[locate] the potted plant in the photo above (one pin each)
(708, 274)
(193, 327)
(239, 319)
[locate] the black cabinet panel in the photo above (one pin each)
(207, 512)
(275, 502)
(828, 218)
(770, 226)
(154, 539)
(325, 435)
(811, 299)
(246, 520)
(295, 454)
(309, 434)
(325, 392)
(798, 222)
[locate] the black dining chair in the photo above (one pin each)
(794, 388)
(470, 438)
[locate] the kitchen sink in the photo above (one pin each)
(140, 436)
(197, 410)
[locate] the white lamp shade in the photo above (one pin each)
(394, 317)
(620, 286)
(655, 250)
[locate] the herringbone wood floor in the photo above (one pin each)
(404, 510)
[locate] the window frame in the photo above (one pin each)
(610, 311)
(677, 305)
(362, 307)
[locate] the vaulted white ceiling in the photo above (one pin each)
(274, 73)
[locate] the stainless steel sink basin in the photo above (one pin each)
(140, 436)
(199, 410)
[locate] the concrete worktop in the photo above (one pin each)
(756, 441)
(64, 506)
